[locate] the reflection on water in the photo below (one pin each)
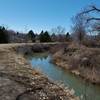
(42, 63)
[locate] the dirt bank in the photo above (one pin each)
(80, 60)
(18, 81)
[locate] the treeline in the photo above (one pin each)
(85, 30)
(45, 36)
(10, 36)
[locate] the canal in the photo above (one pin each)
(87, 91)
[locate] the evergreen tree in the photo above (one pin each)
(3, 35)
(44, 37)
(67, 36)
(31, 35)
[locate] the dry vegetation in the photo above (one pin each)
(80, 60)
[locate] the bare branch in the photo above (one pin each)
(92, 19)
(92, 9)
(96, 9)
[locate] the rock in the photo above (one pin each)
(76, 72)
(72, 92)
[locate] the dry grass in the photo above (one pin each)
(81, 58)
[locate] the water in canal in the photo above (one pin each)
(42, 63)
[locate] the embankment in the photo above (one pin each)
(18, 81)
(80, 60)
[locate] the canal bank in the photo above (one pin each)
(18, 81)
(80, 60)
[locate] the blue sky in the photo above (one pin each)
(23, 15)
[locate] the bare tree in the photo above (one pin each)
(93, 18)
(58, 30)
(58, 34)
(79, 27)
(92, 9)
